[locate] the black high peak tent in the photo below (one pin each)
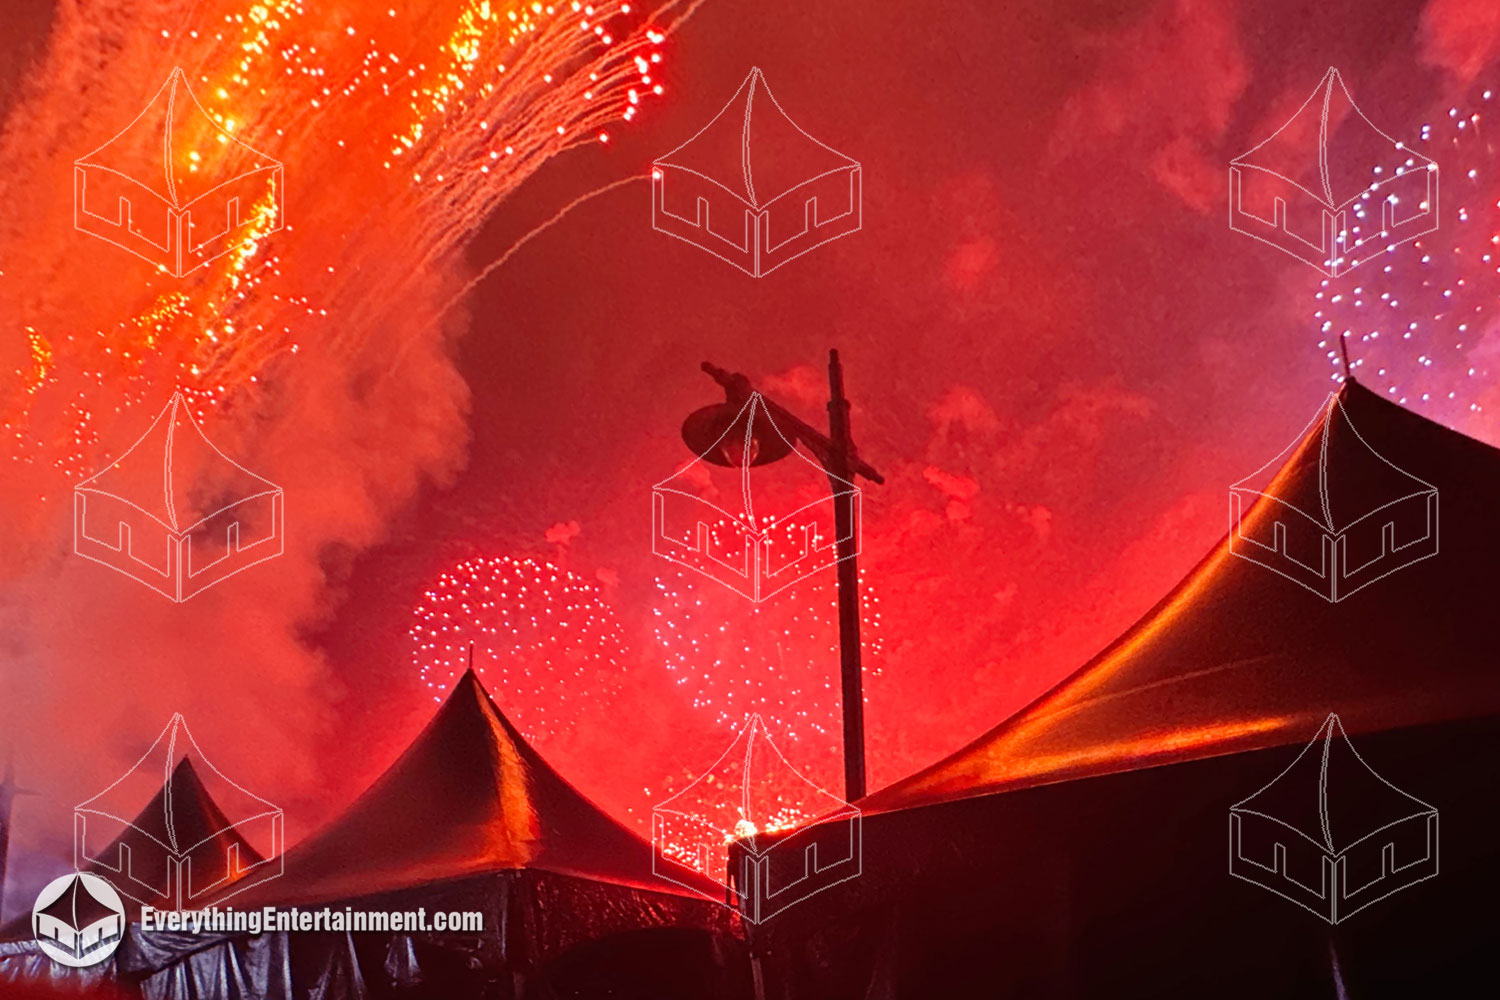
(182, 811)
(469, 818)
(1078, 849)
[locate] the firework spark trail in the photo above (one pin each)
(280, 344)
(533, 233)
(777, 658)
(472, 99)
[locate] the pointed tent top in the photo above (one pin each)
(174, 474)
(468, 796)
(754, 150)
(1330, 149)
(175, 149)
(181, 817)
(1234, 659)
(1331, 796)
(181, 812)
(1332, 474)
(754, 769)
(78, 907)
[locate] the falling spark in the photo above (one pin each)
(778, 658)
(540, 637)
(1413, 320)
(400, 131)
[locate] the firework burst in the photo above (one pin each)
(401, 129)
(539, 635)
(778, 658)
(1413, 321)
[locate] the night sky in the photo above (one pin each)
(1059, 357)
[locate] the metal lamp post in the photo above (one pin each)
(836, 453)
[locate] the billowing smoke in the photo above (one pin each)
(316, 354)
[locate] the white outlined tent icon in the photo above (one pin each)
(773, 525)
(194, 840)
(753, 188)
(176, 513)
(82, 922)
(742, 822)
(1330, 513)
(174, 187)
(1330, 834)
(1330, 188)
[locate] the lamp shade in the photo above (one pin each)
(725, 434)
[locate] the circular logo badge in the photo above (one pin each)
(78, 920)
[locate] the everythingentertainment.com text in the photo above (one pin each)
(229, 920)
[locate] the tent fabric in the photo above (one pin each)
(1331, 474)
(23, 961)
(1117, 886)
(469, 796)
(1330, 795)
(471, 818)
(183, 816)
(177, 966)
(753, 149)
(468, 818)
(1238, 658)
(195, 823)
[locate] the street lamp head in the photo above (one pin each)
(734, 436)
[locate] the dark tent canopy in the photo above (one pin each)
(1078, 849)
(468, 796)
(181, 813)
(468, 818)
(183, 819)
(1240, 658)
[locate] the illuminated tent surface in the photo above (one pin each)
(468, 796)
(183, 819)
(469, 818)
(182, 812)
(1239, 658)
(1089, 832)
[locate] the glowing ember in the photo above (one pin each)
(538, 634)
(1412, 320)
(400, 129)
(779, 658)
